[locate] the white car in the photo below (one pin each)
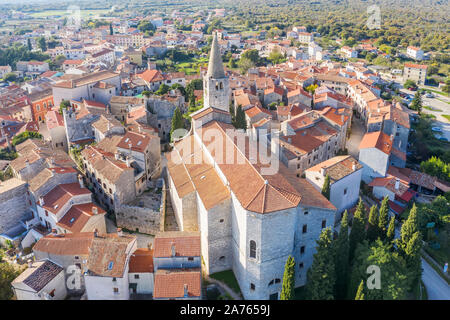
(429, 95)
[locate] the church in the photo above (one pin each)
(250, 219)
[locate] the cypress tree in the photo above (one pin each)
(357, 232)
(410, 245)
(177, 121)
(240, 122)
(390, 235)
(360, 292)
(287, 289)
(326, 187)
(383, 218)
(111, 31)
(409, 227)
(372, 229)
(29, 44)
(321, 276)
(342, 262)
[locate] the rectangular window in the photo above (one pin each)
(252, 286)
(116, 290)
(324, 223)
(136, 276)
(302, 249)
(305, 228)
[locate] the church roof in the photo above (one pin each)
(215, 66)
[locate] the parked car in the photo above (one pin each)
(412, 89)
(443, 139)
(429, 95)
(436, 129)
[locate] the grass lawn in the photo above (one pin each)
(432, 109)
(446, 116)
(228, 278)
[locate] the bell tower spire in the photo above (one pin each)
(216, 86)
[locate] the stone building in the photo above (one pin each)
(249, 217)
(15, 209)
(121, 105)
(345, 178)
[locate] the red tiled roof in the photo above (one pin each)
(186, 244)
(172, 283)
(141, 261)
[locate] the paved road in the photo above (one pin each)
(355, 138)
(437, 288)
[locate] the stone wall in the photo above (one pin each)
(14, 206)
(139, 219)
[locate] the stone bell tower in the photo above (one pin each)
(216, 86)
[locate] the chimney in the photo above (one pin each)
(94, 210)
(392, 137)
(54, 231)
(323, 171)
(109, 125)
(173, 250)
(30, 263)
(80, 181)
(117, 155)
(95, 233)
(185, 290)
(397, 184)
(354, 166)
(119, 232)
(342, 118)
(128, 162)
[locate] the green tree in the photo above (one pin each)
(42, 44)
(240, 122)
(64, 105)
(410, 84)
(326, 187)
(321, 276)
(29, 44)
(390, 235)
(7, 274)
(288, 286)
(383, 218)
(162, 90)
(372, 229)
(357, 232)
(18, 139)
(410, 244)
(10, 76)
(177, 121)
(342, 259)
(434, 166)
(360, 292)
(145, 25)
(416, 103)
(394, 284)
(408, 229)
(276, 57)
(111, 31)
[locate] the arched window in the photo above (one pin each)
(252, 249)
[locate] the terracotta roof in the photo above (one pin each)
(53, 119)
(338, 167)
(136, 141)
(186, 244)
(56, 198)
(108, 255)
(65, 244)
(78, 216)
(378, 140)
(422, 179)
(141, 261)
(151, 76)
(172, 283)
(415, 66)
